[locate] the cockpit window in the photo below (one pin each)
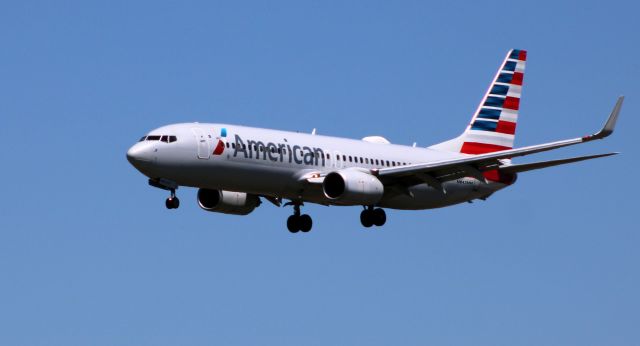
(162, 138)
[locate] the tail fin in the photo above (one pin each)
(493, 126)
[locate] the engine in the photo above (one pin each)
(227, 202)
(352, 187)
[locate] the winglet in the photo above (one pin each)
(611, 122)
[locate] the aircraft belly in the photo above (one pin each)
(427, 197)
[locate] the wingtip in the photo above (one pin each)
(610, 125)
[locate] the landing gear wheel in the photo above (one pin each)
(379, 216)
(305, 222)
(366, 218)
(297, 222)
(172, 203)
(293, 223)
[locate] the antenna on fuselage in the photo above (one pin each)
(314, 131)
(414, 144)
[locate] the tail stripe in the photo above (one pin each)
(496, 118)
(518, 54)
(493, 126)
(499, 89)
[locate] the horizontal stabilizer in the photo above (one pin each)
(544, 164)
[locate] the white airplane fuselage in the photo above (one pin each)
(235, 167)
(284, 160)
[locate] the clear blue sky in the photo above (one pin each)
(90, 256)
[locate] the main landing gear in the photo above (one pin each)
(371, 216)
(172, 202)
(297, 222)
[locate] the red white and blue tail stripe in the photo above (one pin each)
(493, 125)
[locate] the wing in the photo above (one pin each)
(544, 164)
(434, 173)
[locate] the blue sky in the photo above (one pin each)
(89, 255)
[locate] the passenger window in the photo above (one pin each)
(366, 160)
(233, 145)
(361, 160)
(393, 163)
(227, 144)
(344, 157)
(328, 156)
(377, 162)
(338, 157)
(388, 163)
(350, 158)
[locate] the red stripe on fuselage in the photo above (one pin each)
(500, 177)
(219, 148)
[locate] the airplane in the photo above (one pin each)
(235, 167)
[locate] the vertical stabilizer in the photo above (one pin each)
(493, 126)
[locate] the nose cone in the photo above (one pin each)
(141, 155)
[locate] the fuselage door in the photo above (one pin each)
(204, 143)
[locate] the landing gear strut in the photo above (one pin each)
(371, 216)
(172, 202)
(297, 222)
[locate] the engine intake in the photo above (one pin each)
(227, 202)
(352, 187)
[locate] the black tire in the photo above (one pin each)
(176, 202)
(168, 203)
(305, 223)
(293, 223)
(366, 218)
(379, 217)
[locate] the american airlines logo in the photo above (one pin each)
(277, 152)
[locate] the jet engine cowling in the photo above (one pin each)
(352, 187)
(227, 202)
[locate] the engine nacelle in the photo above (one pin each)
(352, 187)
(227, 202)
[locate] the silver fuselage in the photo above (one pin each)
(277, 164)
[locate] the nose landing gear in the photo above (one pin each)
(297, 222)
(371, 216)
(172, 202)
